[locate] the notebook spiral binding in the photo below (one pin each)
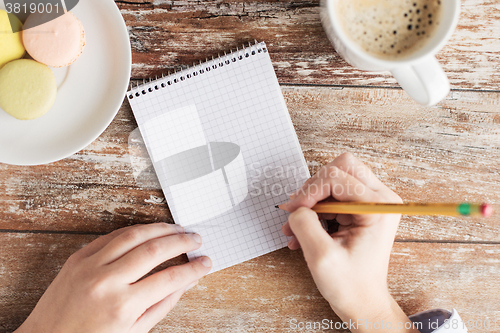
(196, 69)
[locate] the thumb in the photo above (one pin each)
(313, 239)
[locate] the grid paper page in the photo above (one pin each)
(229, 173)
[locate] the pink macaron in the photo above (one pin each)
(56, 43)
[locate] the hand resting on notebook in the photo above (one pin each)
(97, 290)
(350, 265)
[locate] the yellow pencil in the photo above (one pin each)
(460, 209)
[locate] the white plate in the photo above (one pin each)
(90, 93)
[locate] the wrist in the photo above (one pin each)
(31, 325)
(22, 329)
(364, 307)
(380, 314)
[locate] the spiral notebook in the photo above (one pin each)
(224, 149)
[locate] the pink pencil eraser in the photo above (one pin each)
(486, 210)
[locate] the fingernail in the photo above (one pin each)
(197, 238)
(191, 286)
(179, 229)
(285, 205)
(294, 194)
(205, 261)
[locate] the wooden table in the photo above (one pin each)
(448, 152)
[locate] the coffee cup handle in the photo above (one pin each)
(425, 81)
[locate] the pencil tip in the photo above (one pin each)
(277, 206)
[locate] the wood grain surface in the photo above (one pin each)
(445, 153)
(449, 153)
(167, 35)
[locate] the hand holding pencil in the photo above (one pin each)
(350, 265)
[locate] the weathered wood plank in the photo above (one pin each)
(264, 294)
(166, 35)
(445, 153)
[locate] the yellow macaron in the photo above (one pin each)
(28, 89)
(11, 44)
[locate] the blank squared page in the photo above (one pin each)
(228, 155)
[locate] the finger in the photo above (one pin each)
(133, 237)
(285, 229)
(293, 243)
(141, 260)
(345, 219)
(306, 184)
(157, 312)
(161, 284)
(351, 165)
(327, 216)
(310, 234)
(294, 193)
(338, 184)
(97, 244)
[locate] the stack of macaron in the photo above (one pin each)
(28, 87)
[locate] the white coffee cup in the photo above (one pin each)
(419, 74)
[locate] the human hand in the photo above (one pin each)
(99, 289)
(349, 266)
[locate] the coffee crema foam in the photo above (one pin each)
(390, 29)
